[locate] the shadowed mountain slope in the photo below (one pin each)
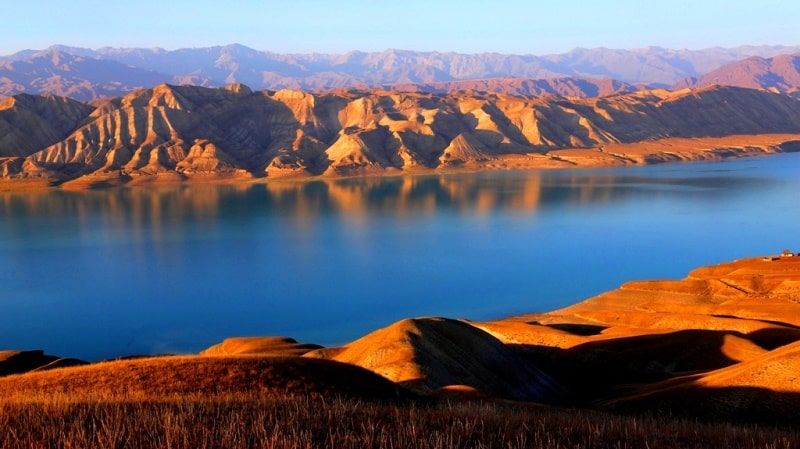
(16, 362)
(766, 389)
(714, 344)
(29, 123)
(427, 354)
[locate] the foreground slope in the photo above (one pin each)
(434, 353)
(162, 377)
(176, 133)
(720, 343)
(766, 388)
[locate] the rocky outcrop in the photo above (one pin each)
(189, 131)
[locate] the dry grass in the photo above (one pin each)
(291, 402)
(159, 377)
(236, 421)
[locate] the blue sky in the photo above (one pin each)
(466, 26)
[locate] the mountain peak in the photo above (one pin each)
(238, 49)
(55, 56)
(239, 88)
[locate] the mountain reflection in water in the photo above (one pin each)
(104, 273)
(473, 194)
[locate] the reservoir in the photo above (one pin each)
(105, 273)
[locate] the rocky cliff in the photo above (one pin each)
(181, 132)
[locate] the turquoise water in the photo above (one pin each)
(98, 274)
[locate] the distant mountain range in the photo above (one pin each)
(180, 132)
(85, 74)
(779, 74)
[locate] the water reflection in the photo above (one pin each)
(151, 210)
(178, 268)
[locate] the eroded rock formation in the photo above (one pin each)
(189, 131)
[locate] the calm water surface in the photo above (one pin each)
(99, 274)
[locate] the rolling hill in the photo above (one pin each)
(720, 344)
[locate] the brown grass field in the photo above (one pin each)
(255, 421)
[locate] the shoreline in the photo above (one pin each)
(720, 345)
(668, 150)
(784, 267)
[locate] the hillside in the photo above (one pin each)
(779, 74)
(525, 87)
(426, 355)
(187, 132)
(161, 377)
(721, 343)
(79, 77)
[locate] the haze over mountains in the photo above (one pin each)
(85, 74)
(779, 74)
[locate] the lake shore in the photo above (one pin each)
(722, 343)
(667, 150)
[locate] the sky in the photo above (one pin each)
(464, 26)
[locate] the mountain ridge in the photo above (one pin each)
(221, 65)
(182, 132)
(780, 73)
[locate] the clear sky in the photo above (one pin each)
(338, 26)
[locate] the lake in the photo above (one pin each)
(106, 273)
